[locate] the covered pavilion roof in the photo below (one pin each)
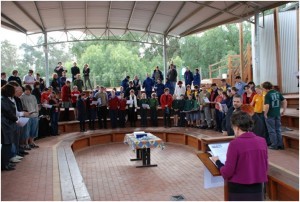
(168, 18)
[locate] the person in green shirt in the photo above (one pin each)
(143, 109)
(196, 112)
(153, 103)
(176, 110)
(78, 82)
(188, 108)
(272, 103)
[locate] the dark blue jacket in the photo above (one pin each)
(188, 78)
(197, 79)
(81, 108)
(125, 84)
(159, 89)
(148, 84)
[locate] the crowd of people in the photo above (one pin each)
(188, 102)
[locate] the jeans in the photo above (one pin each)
(54, 123)
(274, 130)
(173, 87)
(219, 118)
(31, 129)
(206, 116)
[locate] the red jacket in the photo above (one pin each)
(45, 96)
(122, 104)
(113, 103)
(65, 93)
(164, 101)
(250, 98)
(74, 97)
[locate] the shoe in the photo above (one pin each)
(34, 146)
(210, 128)
(281, 147)
(18, 157)
(27, 147)
(8, 168)
(203, 127)
(24, 152)
(11, 165)
(273, 147)
(14, 160)
(21, 155)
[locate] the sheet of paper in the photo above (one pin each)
(224, 108)
(129, 102)
(146, 106)
(47, 106)
(206, 100)
(220, 150)
(99, 101)
(94, 103)
(22, 121)
(211, 181)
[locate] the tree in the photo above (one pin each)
(9, 57)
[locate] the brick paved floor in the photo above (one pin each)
(110, 175)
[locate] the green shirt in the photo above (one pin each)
(142, 101)
(189, 105)
(153, 103)
(175, 104)
(273, 98)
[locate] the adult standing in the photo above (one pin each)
(86, 76)
(125, 83)
(273, 100)
(14, 77)
(197, 78)
(59, 70)
(239, 84)
(159, 89)
(137, 85)
(246, 166)
(29, 78)
(3, 79)
(8, 125)
(157, 74)
(66, 99)
(172, 76)
(188, 77)
(148, 85)
(74, 71)
(102, 99)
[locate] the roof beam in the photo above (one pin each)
(14, 24)
(63, 15)
(108, 14)
(131, 13)
(38, 11)
(157, 5)
(206, 20)
(177, 13)
(29, 16)
(189, 16)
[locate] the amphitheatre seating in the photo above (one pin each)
(291, 139)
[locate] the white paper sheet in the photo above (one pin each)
(211, 181)
(94, 103)
(22, 121)
(47, 106)
(206, 100)
(146, 106)
(129, 102)
(220, 150)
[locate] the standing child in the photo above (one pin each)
(181, 109)
(54, 113)
(176, 111)
(143, 109)
(113, 104)
(81, 108)
(122, 110)
(196, 112)
(74, 95)
(153, 103)
(166, 105)
(219, 113)
(188, 107)
(78, 82)
(132, 108)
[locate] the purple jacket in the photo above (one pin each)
(247, 160)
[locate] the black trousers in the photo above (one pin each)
(5, 154)
(131, 116)
(245, 192)
(143, 117)
(153, 113)
(102, 114)
(167, 120)
(82, 125)
(66, 115)
(122, 114)
(182, 119)
(113, 117)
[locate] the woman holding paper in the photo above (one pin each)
(246, 164)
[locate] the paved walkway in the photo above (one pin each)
(109, 175)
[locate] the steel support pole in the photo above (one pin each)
(257, 77)
(46, 59)
(165, 57)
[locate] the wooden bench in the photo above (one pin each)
(290, 118)
(291, 139)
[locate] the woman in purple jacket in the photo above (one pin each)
(246, 163)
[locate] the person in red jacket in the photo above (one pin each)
(122, 110)
(248, 95)
(74, 95)
(66, 99)
(113, 105)
(45, 95)
(166, 103)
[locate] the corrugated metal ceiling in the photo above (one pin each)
(174, 18)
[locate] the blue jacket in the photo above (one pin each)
(197, 79)
(148, 84)
(159, 89)
(188, 78)
(125, 84)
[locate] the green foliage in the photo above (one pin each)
(9, 57)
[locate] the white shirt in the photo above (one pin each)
(29, 79)
(179, 90)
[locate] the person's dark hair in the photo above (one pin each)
(14, 72)
(36, 84)
(59, 63)
(38, 74)
(225, 94)
(238, 96)
(179, 82)
(234, 88)
(223, 80)
(246, 86)
(242, 120)
(213, 84)
(197, 70)
(28, 87)
(238, 77)
(30, 71)
(267, 85)
(3, 73)
(13, 83)
(196, 87)
(127, 77)
(8, 90)
(251, 83)
(68, 81)
(166, 89)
